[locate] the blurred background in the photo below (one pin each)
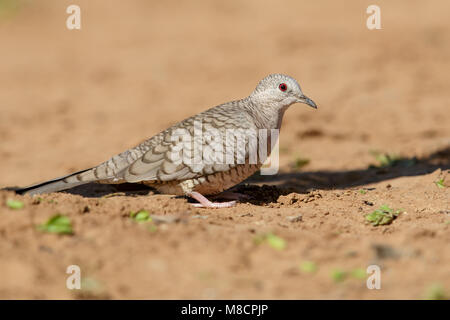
(70, 99)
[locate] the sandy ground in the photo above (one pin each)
(71, 99)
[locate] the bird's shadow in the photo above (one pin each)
(266, 189)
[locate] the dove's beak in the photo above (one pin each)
(304, 99)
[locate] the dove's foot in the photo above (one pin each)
(205, 203)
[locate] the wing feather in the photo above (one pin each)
(162, 159)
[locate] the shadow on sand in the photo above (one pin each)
(266, 189)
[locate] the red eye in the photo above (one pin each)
(282, 87)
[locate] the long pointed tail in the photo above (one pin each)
(58, 184)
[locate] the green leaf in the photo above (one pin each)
(358, 273)
(9, 8)
(382, 216)
(386, 209)
(435, 292)
(271, 239)
(440, 183)
(141, 216)
(276, 242)
(308, 267)
(338, 275)
(57, 224)
(14, 204)
(386, 160)
(300, 163)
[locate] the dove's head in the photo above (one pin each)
(279, 91)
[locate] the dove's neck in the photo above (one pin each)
(266, 116)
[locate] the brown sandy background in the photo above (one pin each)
(71, 99)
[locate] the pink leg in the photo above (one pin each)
(205, 203)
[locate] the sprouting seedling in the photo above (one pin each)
(308, 267)
(440, 183)
(300, 162)
(14, 204)
(358, 273)
(9, 8)
(386, 160)
(276, 242)
(272, 240)
(382, 216)
(58, 223)
(141, 216)
(91, 288)
(435, 292)
(338, 275)
(362, 191)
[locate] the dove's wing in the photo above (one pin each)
(168, 156)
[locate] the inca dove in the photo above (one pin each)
(152, 161)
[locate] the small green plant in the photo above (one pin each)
(386, 160)
(440, 183)
(141, 216)
(358, 273)
(276, 242)
(362, 191)
(300, 163)
(308, 267)
(91, 288)
(435, 292)
(14, 204)
(57, 224)
(8, 8)
(272, 240)
(338, 275)
(382, 216)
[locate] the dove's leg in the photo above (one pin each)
(205, 203)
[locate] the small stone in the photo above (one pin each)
(165, 219)
(297, 218)
(199, 217)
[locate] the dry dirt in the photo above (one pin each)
(71, 99)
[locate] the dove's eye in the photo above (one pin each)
(282, 87)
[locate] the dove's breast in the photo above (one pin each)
(208, 184)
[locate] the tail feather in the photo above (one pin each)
(58, 184)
